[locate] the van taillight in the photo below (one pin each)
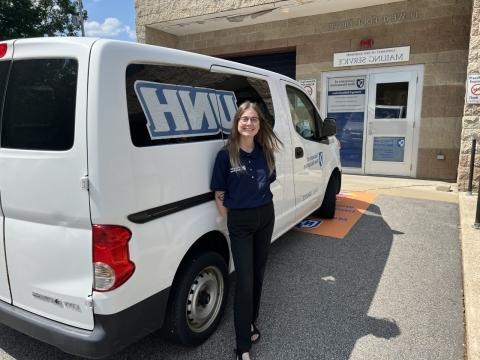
(3, 50)
(111, 259)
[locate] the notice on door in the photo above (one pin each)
(388, 149)
(346, 103)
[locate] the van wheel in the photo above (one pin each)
(198, 299)
(327, 210)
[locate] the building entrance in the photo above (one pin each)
(377, 112)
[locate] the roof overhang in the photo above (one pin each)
(278, 10)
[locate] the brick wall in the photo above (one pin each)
(437, 32)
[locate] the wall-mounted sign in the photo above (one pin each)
(370, 57)
(310, 87)
(473, 89)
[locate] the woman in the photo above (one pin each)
(243, 172)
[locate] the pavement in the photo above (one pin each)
(391, 289)
(469, 236)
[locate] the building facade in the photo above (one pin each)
(393, 73)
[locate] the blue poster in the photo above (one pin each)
(388, 149)
(346, 104)
(350, 135)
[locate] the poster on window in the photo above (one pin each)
(388, 149)
(346, 103)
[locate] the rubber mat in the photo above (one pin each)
(350, 207)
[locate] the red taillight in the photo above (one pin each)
(3, 50)
(111, 259)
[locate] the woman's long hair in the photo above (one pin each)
(265, 137)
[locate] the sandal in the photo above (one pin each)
(238, 354)
(255, 332)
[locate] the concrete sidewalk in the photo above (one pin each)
(470, 237)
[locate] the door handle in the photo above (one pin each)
(298, 152)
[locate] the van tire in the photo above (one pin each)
(327, 209)
(203, 279)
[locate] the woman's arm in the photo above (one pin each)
(219, 196)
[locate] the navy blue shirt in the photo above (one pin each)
(246, 186)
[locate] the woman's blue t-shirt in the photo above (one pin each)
(246, 186)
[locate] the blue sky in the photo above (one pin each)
(113, 19)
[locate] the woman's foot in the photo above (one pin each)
(242, 356)
(254, 334)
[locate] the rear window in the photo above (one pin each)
(39, 108)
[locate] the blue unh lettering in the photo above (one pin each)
(178, 111)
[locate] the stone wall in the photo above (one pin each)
(471, 115)
(148, 12)
(437, 32)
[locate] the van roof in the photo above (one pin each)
(206, 60)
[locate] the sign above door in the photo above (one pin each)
(371, 57)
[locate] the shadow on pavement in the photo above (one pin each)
(315, 304)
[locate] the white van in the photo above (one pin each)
(108, 228)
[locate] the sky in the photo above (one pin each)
(113, 19)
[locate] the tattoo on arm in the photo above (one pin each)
(220, 195)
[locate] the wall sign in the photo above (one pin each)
(310, 87)
(473, 89)
(370, 57)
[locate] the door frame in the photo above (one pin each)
(420, 69)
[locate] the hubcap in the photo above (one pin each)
(205, 299)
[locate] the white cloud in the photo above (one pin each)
(110, 28)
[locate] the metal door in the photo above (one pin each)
(390, 123)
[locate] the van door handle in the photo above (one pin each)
(298, 152)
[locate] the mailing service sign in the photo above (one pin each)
(371, 57)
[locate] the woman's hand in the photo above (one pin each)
(219, 196)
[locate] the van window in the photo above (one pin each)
(303, 114)
(175, 104)
(39, 110)
(4, 66)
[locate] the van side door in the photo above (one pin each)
(265, 92)
(309, 149)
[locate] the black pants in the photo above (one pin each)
(250, 236)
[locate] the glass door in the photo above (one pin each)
(390, 123)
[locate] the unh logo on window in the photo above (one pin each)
(178, 111)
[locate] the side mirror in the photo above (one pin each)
(329, 127)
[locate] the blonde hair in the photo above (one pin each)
(265, 137)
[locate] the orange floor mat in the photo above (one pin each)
(350, 207)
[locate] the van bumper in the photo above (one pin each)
(110, 334)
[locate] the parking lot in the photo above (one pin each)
(391, 289)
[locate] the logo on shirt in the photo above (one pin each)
(178, 111)
(237, 169)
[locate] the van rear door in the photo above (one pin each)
(6, 51)
(43, 158)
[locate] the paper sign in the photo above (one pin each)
(473, 89)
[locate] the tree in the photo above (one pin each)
(34, 18)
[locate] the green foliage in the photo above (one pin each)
(34, 18)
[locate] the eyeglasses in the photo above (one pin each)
(253, 119)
